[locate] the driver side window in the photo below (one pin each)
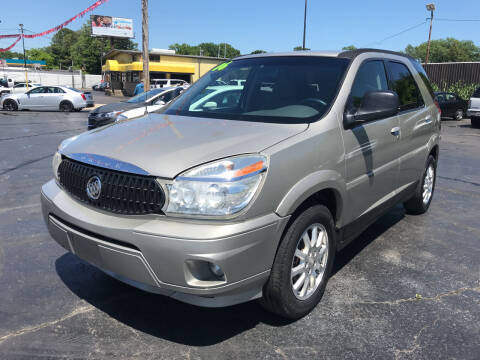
(370, 77)
(37, 90)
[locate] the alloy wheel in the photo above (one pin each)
(428, 184)
(309, 261)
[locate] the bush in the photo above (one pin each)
(463, 90)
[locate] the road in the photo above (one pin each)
(407, 288)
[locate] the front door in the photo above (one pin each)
(33, 99)
(371, 149)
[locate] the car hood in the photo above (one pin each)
(120, 106)
(165, 145)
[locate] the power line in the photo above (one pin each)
(465, 20)
(397, 34)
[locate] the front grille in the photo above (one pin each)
(121, 193)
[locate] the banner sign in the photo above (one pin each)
(55, 29)
(11, 46)
(112, 26)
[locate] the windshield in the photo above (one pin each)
(140, 98)
(279, 89)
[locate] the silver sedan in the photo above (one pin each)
(46, 98)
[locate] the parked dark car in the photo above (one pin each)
(451, 104)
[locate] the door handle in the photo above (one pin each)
(395, 131)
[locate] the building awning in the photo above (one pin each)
(170, 67)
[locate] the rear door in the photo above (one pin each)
(52, 97)
(371, 149)
(416, 121)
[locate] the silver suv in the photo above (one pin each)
(250, 193)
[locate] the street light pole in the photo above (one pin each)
(24, 57)
(304, 24)
(431, 8)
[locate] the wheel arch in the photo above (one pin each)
(325, 187)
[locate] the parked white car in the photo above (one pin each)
(160, 83)
(21, 88)
(156, 103)
(46, 98)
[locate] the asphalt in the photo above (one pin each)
(407, 288)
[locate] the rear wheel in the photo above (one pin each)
(420, 202)
(459, 114)
(66, 106)
(302, 265)
(10, 105)
(475, 122)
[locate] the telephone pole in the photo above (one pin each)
(146, 72)
(304, 24)
(24, 57)
(431, 8)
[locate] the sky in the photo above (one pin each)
(271, 25)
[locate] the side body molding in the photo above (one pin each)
(311, 184)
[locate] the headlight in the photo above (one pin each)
(121, 117)
(57, 159)
(220, 188)
(112, 114)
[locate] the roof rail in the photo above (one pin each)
(351, 54)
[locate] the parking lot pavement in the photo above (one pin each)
(407, 288)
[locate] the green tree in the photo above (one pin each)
(349, 48)
(446, 50)
(258, 52)
(206, 49)
(40, 54)
(11, 55)
(300, 48)
(86, 51)
(60, 47)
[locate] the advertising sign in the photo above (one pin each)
(112, 26)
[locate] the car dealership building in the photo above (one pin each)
(124, 68)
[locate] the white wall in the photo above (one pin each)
(53, 77)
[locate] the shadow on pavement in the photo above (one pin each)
(172, 320)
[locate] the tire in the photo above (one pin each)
(279, 294)
(66, 106)
(420, 202)
(10, 105)
(475, 122)
(458, 115)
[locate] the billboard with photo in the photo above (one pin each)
(112, 26)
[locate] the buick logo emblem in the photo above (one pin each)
(94, 187)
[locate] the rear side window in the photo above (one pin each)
(424, 77)
(403, 83)
(370, 77)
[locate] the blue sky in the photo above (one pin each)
(272, 25)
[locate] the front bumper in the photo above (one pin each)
(156, 253)
(473, 112)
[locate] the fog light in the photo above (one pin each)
(216, 270)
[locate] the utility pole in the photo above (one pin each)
(24, 57)
(146, 72)
(304, 24)
(431, 8)
(224, 50)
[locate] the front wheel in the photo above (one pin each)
(420, 202)
(10, 105)
(302, 265)
(459, 114)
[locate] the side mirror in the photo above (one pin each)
(375, 105)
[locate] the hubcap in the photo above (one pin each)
(428, 184)
(309, 261)
(459, 114)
